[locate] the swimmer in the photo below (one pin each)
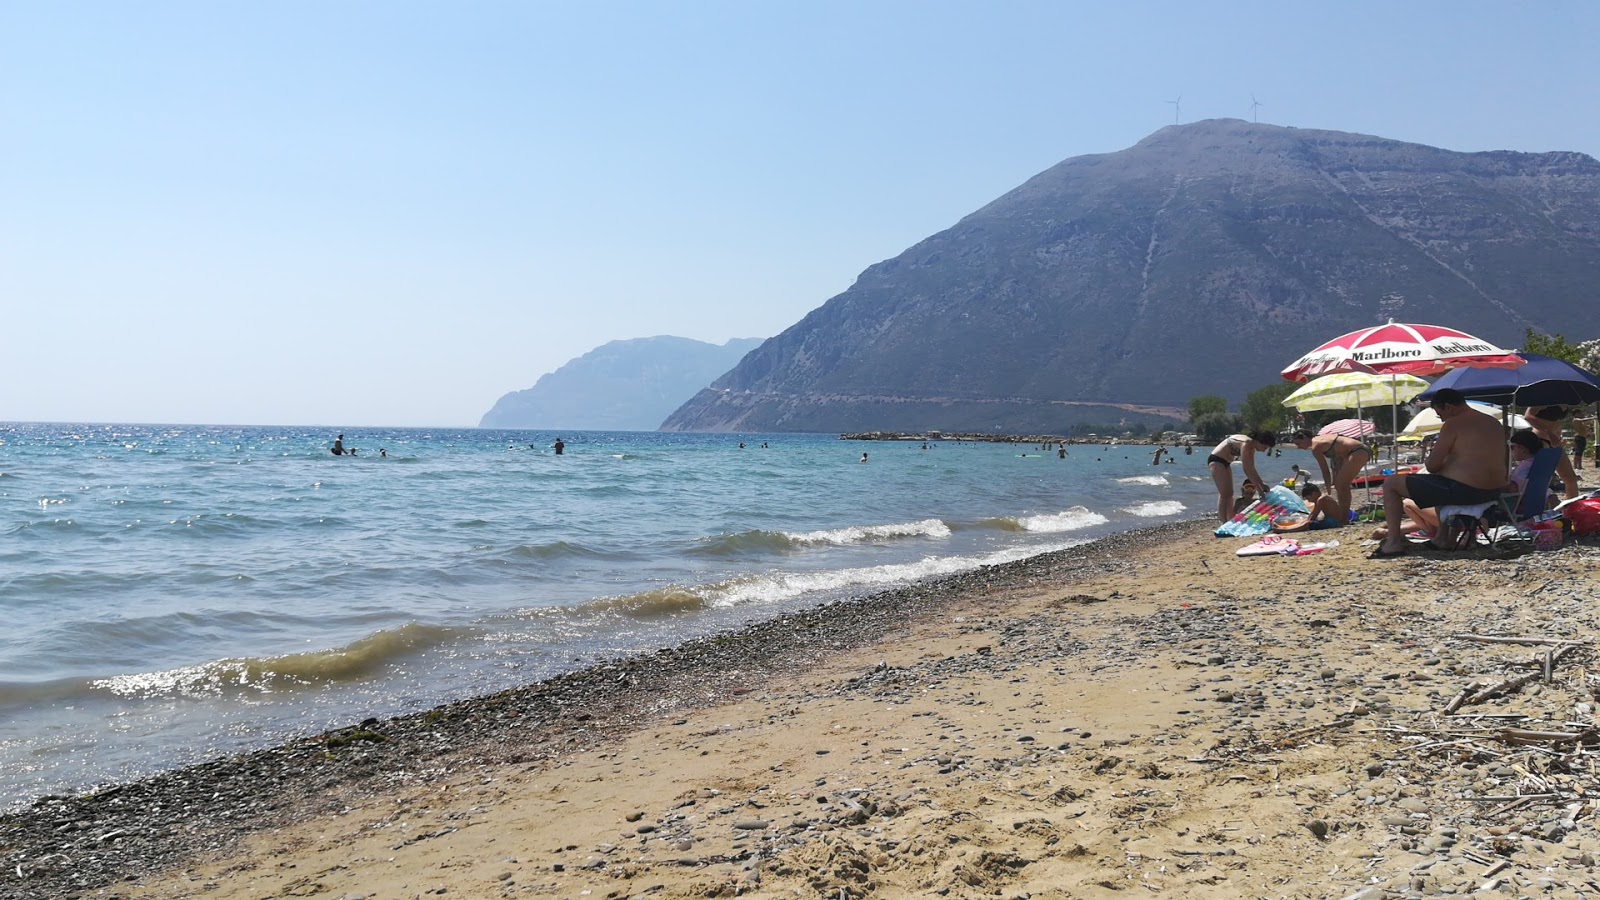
(863, 457)
(338, 446)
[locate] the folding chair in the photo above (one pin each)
(1516, 509)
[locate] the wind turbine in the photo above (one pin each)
(1177, 106)
(1254, 103)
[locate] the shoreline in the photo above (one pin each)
(570, 712)
(1144, 710)
(983, 438)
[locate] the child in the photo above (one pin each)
(1247, 496)
(1325, 512)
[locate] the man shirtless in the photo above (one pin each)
(1467, 465)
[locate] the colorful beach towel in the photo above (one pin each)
(1257, 517)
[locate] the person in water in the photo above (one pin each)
(1342, 458)
(1240, 448)
(560, 446)
(338, 446)
(863, 457)
(383, 453)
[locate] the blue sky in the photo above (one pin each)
(393, 213)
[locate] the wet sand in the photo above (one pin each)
(1146, 713)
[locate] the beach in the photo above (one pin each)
(1146, 712)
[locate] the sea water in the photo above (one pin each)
(172, 593)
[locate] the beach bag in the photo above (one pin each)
(1584, 516)
(1256, 518)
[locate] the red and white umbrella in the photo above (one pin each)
(1400, 349)
(1350, 428)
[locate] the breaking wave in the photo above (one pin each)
(353, 662)
(1157, 508)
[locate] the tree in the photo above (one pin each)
(1214, 426)
(1550, 345)
(1199, 407)
(1263, 409)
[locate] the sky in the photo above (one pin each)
(367, 214)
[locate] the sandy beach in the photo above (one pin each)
(1145, 714)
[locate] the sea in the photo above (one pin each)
(174, 593)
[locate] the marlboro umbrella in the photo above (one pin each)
(1350, 428)
(1400, 349)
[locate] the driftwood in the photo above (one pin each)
(1530, 641)
(1588, 736)
(1545, 663)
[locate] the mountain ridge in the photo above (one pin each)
(1200, 260)
(622, 385)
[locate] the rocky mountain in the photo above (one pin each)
(620, 386)
(1199, 261)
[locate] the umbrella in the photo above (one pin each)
(1427, 421)
(1350, 428)
(1540, 381)
(1400, 349)
(1352, 390)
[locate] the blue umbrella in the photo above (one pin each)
(1541, 381)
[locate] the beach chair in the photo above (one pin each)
(1515, 510)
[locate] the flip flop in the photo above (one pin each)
(1380, 553)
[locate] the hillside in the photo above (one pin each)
(620, 386)
(1201, 260)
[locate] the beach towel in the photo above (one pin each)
(1257, 517)
(1271, 545)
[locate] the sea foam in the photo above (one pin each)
(1157, 508)
(1073, 519)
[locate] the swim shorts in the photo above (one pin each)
(1428, 490)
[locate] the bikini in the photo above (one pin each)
(1235, 444)
(1332, 452)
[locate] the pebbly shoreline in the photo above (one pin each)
(87, 845)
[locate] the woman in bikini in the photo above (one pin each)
(1242, 448)
(1341, 458)
(1546, 423)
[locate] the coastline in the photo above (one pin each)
(1142, 709)
(541, 721)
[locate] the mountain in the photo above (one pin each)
(1202, 260)
(621, 386)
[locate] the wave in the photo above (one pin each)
(1071, 519)
(37, 693)
(779, 587)
(353, 662)
(1155, 480)
(1157, 508)
(774, 541)
(1003, 523)
(743, 542)
(654, 604)
(552, 550)
(857, 533)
